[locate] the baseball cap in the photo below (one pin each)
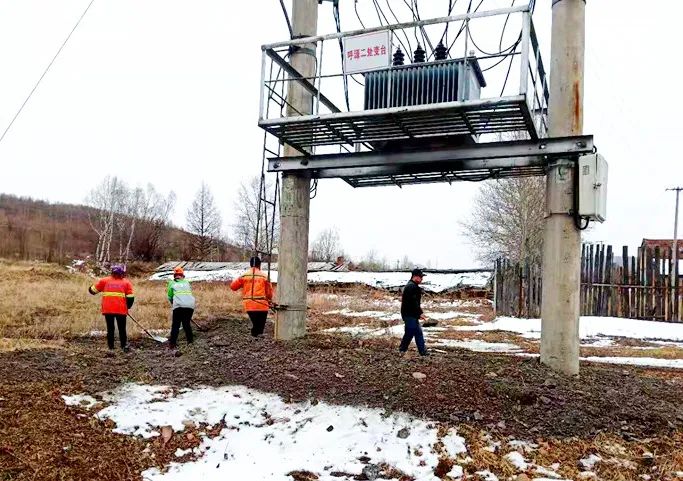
(417, 272)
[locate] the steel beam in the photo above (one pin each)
(491, 155)
(475, 166)
(399, 26)
(298, 77)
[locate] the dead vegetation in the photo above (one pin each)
(45, 301)
(629, 417)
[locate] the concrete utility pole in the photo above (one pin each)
(562, 240)
(674, 248)
(295, 201)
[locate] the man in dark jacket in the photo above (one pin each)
(411, 312)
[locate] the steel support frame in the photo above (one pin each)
(492, 155)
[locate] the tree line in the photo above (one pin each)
(123, 223)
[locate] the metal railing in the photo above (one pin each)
(332, 91)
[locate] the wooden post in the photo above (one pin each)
(624, 282)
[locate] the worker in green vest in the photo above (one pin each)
(182, 301)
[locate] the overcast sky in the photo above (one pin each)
(166, 91)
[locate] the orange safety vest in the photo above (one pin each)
(114, 293)
(256, 290)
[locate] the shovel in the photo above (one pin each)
(200, 327)
(158, 339)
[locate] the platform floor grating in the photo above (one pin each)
(476, 117)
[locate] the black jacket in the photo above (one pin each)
(410, 301)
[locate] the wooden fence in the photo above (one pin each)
(639, 287)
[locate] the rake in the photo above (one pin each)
(158, 339)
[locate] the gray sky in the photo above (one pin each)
(166, 91)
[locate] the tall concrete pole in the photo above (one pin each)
(295, 200)
(562, 240)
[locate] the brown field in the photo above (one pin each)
(45, 301)
(46, 316)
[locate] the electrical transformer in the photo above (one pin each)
(424, 83)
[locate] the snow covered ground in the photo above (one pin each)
(595, 332)
(384, 280)
(590, 327)
(265, 438)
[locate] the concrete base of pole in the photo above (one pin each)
(561, 279)
(293, 257)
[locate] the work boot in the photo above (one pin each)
(126, 348)
(174, 351)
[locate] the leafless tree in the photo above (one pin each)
(406, 264)
(107, 200)
(507, 220)
(326, 247)
(250, 224)
(153, 213)
(204, 224)
(373, 263)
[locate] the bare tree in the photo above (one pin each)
(250, 224)
(153, 213)
(204, 224)
(507, 220)
(406, 264)
(326, 247)
(107, 200)
(372, 263)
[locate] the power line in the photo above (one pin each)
(355, 7)
(337, 23)
(380, 14)
(507, 18)
(46, 70)
(289, 24)
(463, 26)
(410, 47)
(422, 29)
(451, 6)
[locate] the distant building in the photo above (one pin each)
(663, 244)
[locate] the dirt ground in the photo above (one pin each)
(505, 396)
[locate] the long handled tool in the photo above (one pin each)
(158, 339)
(200, 327)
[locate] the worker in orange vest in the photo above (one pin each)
(257, 295)
(117, 298)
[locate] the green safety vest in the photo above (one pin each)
(180, 293)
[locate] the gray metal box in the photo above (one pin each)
(593, 187)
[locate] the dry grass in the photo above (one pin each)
(659, 458)
(45, 301)
(8, 344)
(663, 352)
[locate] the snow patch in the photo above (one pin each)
(453, 444)
(319, 438)
(80, 400)
(589, 327)
(487, 475)
(456, 472)
(600, 342)
(384, 280)
(517, 460)
(638, 361)
(477, 346)
(589, 462)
